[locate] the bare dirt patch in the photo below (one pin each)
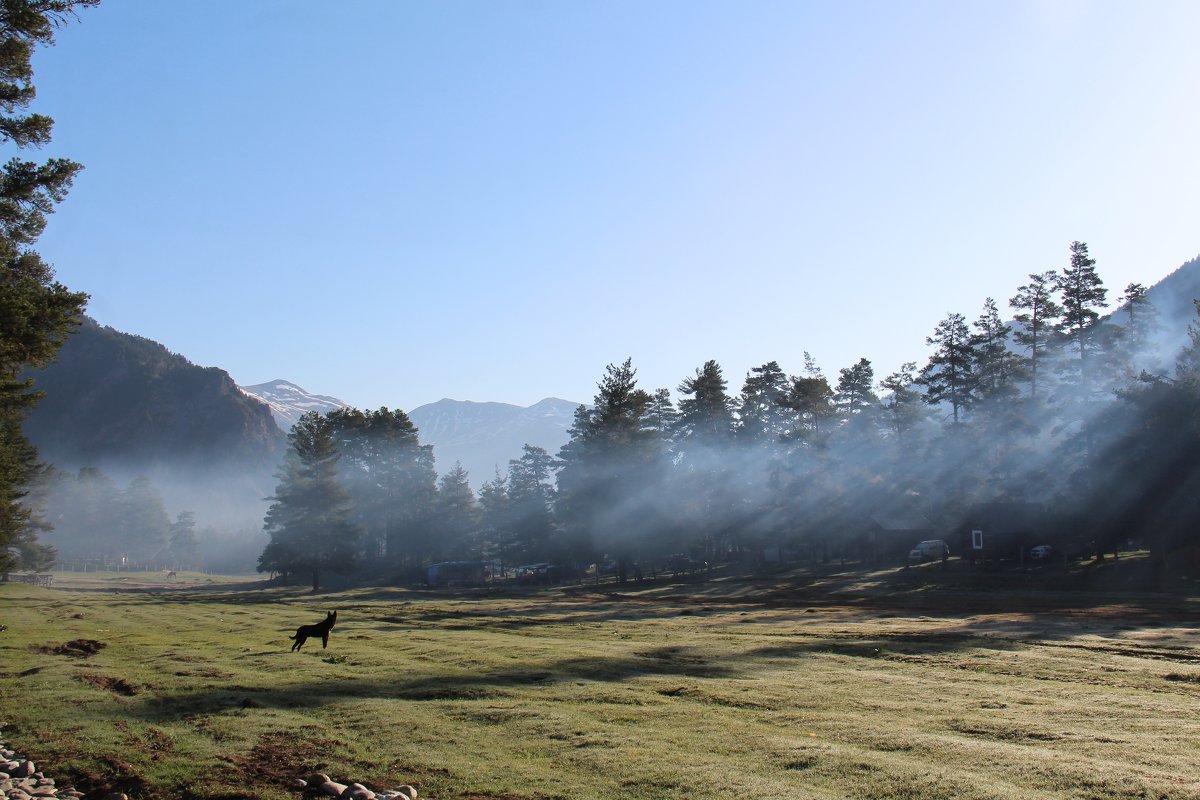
(77, 648)
(279, 758)
(109, 684)
(115, 775)
(203, 672)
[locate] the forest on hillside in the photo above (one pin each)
(1061, 410)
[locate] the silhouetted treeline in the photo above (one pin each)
(1061, 409)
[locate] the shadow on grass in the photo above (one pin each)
(661, 661)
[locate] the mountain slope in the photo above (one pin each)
(129, 406)
(484, 437)
(113, 397)
(1174, 297)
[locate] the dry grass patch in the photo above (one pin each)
(582, 695)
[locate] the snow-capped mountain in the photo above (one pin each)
(288, 401)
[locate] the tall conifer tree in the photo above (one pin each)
(1083, 295)
(763, 415)
(948, 376)
(309, 521)
(1039, 320)
(37, 313)
(603, 467)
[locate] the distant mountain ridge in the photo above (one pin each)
(484, 437)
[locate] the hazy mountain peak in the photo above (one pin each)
(485, 436)
(288, 401)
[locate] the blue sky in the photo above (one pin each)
(398, 202)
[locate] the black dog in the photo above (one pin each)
(320, 629)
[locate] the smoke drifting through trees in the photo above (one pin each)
(100, 524)
(1060, 409)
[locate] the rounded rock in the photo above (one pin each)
(408, 791)
(317, 778)
(332, 788)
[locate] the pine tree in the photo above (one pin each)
(948, 376)
(855, 394)
(1141, 325)
(810, 399)
(530, 498)
(184, 546)
(603, 468)
(1083, 294)
(391, 479)
(456, 512)
(1187, 364)
(90, 514)
(902, 405)
(145, 524)
(496, 520)
(1040, 320)
(36, 312)
(763, 416)
(30, 553)
(661, 418)
(705, 415)
(309, 521)
(996, 366)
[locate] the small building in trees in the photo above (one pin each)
(890, 536)
(996, 531)
(459, 573)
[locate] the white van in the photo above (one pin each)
(929, 550)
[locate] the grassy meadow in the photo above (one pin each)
(829, 686)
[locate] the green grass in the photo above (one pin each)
(722, 689)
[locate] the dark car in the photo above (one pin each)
(1042, 552)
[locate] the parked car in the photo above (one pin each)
(1041, 552)
(538, 573)
(929, 550)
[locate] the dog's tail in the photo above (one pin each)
(294, 636)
